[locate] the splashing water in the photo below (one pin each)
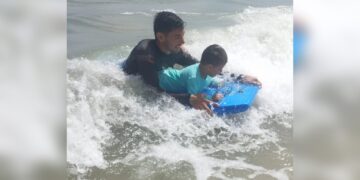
(120, 128)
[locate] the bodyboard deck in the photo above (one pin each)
(238, 97)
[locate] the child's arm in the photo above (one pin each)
(198, 100)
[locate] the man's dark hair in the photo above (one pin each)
(167, 21)
(214, 55)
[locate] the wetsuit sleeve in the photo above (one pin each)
(148, 71)
(130, 65)
(142, 62)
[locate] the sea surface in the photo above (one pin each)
(119, 128)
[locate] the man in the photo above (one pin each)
(150, 56)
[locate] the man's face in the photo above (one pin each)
(173, 40)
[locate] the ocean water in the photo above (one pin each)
(119, 128)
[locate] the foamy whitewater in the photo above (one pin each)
(118, 127)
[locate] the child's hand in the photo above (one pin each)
(217, 97)
(198, 101)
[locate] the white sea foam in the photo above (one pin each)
(136, 13)
(86, 126)
(203, 164)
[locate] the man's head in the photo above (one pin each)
(213, 59)
(169, 31)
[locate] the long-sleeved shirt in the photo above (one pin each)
(187, 80)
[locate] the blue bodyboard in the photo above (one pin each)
(238, 97)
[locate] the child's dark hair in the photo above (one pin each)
(167, 21)
(214, 55)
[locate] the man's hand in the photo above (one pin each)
(217, 97)
(198, 101)
(250, 80)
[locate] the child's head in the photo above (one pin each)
(213, 59)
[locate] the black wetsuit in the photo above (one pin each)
(146, 60)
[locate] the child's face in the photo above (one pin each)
(214, 70)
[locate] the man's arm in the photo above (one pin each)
(197, 101)
(183, 98)
(130, 65)
(148, 70)
(141, 61)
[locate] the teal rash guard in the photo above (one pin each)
(187, 80)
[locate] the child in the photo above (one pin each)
(195, 78)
